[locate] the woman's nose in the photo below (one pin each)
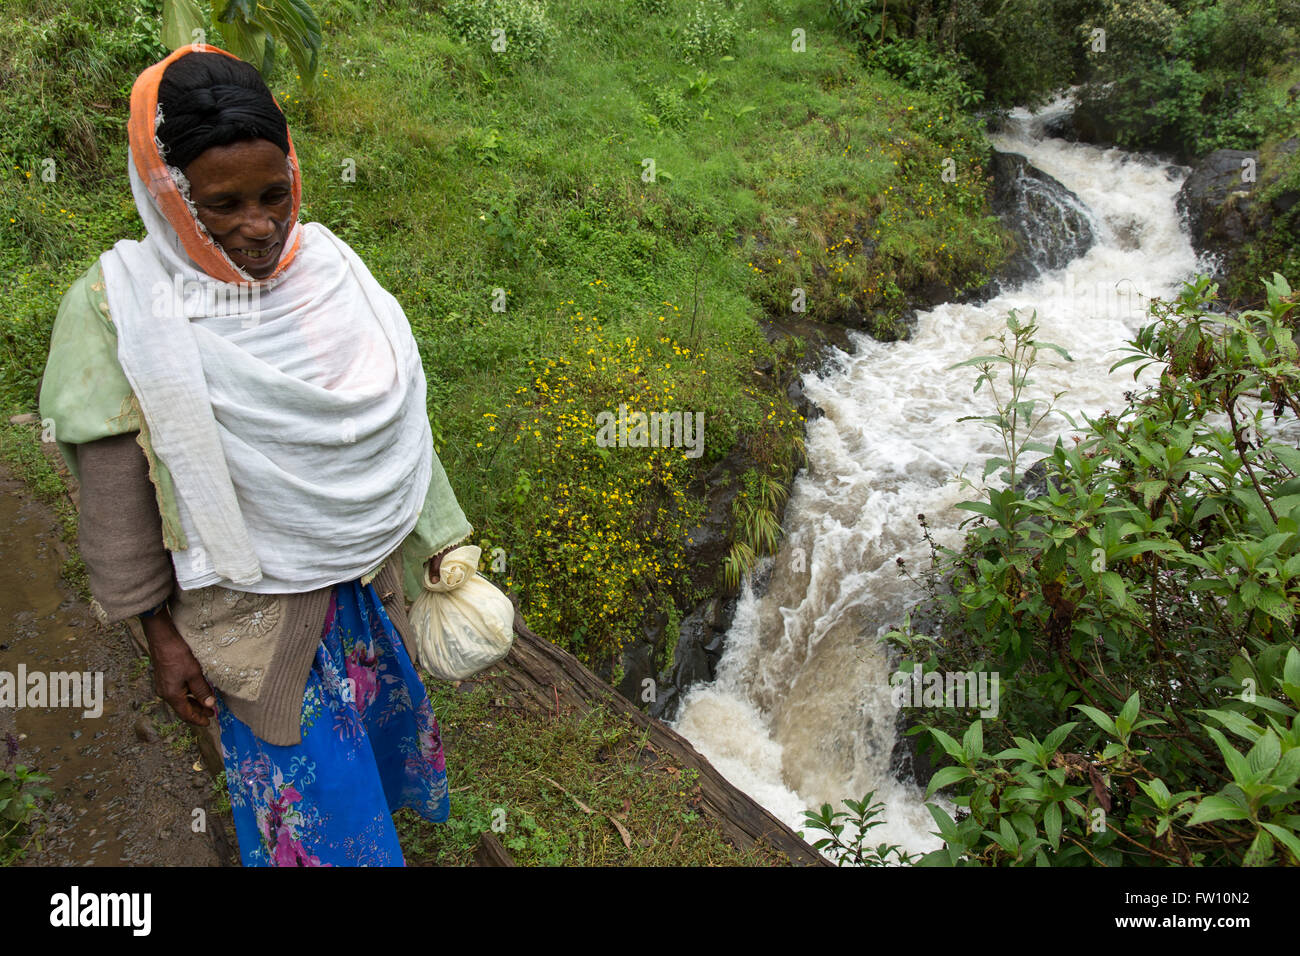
(258, 226)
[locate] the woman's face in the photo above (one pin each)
(244, 199)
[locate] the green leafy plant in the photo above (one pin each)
(708, 32)
(510, 31)
(1152, 588)
(1194, 77)
(851, 848)
(758, 530)
(1016, 417)
(698, 85)
(501, 229)
(249, 29)
(21, 789)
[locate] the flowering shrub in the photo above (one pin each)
(528, 33)
(708, 32)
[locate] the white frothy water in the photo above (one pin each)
(800, 713)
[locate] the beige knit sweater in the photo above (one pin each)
(256, 649)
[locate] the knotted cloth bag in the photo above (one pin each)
(462, 622)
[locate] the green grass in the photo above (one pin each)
(775, 170)
(503, 767)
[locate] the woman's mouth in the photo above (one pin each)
(257, 254)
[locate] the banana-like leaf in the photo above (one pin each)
(248, 42)
(180, 18)
(253, 30)
(293, 23)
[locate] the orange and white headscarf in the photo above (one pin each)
(169, 190)
(289, 411)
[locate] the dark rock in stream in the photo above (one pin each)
(1215, 198)
(1050, 224)
(700, 641)
(1221, 198)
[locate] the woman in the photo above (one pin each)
(245, 408)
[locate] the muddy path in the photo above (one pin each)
(128, 781)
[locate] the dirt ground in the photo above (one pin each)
(128, 782)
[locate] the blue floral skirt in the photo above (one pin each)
(370, 746)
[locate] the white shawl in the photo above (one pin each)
(290, 412)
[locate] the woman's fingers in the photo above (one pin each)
(178, 677)
(182, 699)
(202, 693)
(435, 564)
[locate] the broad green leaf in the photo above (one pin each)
(1237, 764)
(1052, 824)
(1098, 717)
(180, 18)
(1157, 791)
(1239, 724)
(950, 746)
(1291, 669)
(1261, 850)
(947, 826)
(972, 742)
(1131, 706)
(1216, 808)
(1287, 771)
(1286, 836)
(944, 777)
(1263, 757)
(1054, 739)
(1114, 585)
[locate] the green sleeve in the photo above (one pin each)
(441, 524)
(84, 392)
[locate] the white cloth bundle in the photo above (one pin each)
(462, 622)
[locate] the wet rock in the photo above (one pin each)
(1033, 483)
(700, 643)
(638, 664)
(665, 704)
(709, 541)
(1215, 198)
(1051, 225)
(905, 761)
(145, 730)
(1089, 123)
(691, 663)
(1060, 126)
(1222, 200)
(801, 402)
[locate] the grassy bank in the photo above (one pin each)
(564, 789)
(456, 172)
(467, 180)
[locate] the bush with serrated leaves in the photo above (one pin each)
(1153, 591)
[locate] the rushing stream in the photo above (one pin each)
(800, 713)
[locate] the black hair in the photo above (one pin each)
(207, 100)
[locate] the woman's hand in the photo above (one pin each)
(435, 562)
(177, 676)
